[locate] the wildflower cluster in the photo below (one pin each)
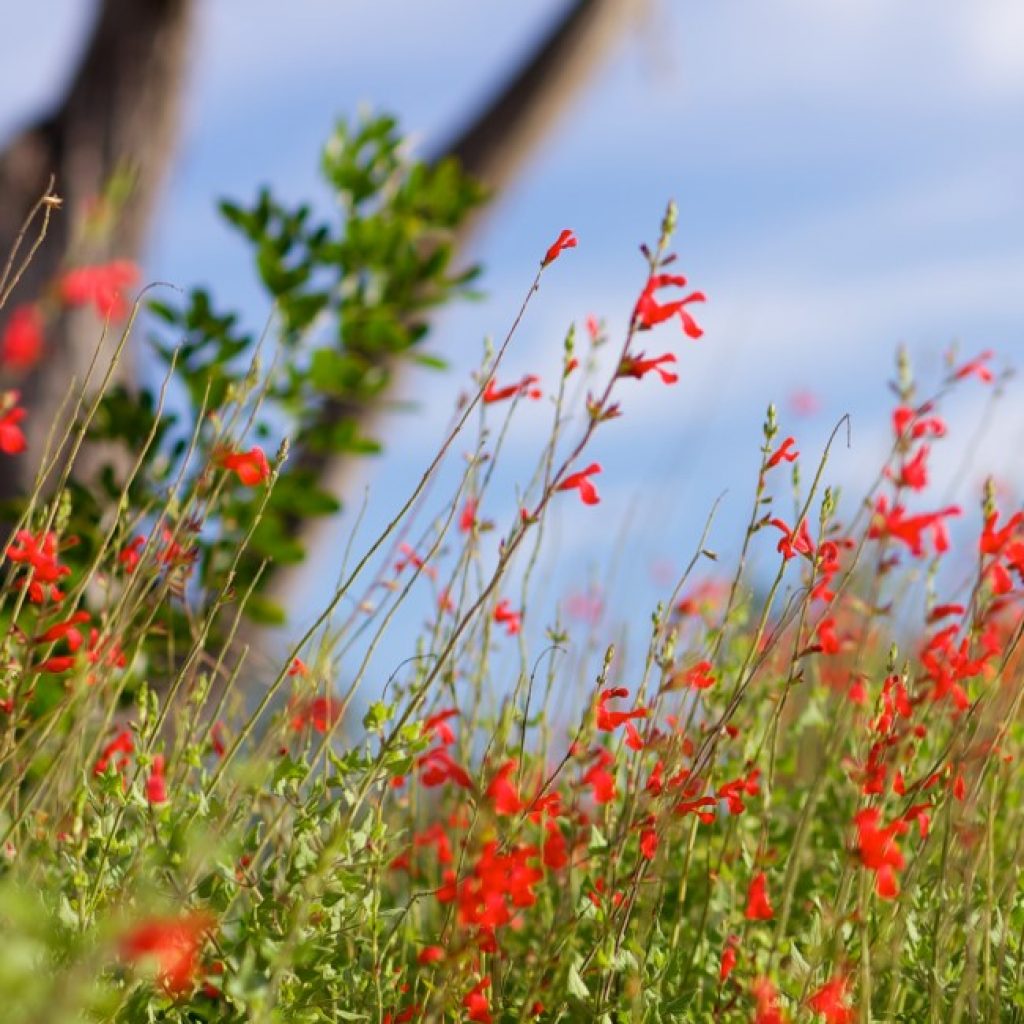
(798, 803)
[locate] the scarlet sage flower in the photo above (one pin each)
(39, 553)
(649, 312)
(565, 240)
(638, 366)
(102, 286)
(914, 471)
(250, 467)
(831, 1001)
(131, 554)
(648, 843)
(298, 668)
(729, 957)
(793, 542)
(554, 850)
(122, 745)
(581, 482)
(600, 780)
(156, 782)
(502, 792)
(784, 453)
(437, 725)
(911, 530)
(879, 851)
(915, 423)
(438, 767)
(66, 630)
(976, 368)
(320, 713)
(22, 342)
(700, 676)
(12, 440)
(607, 720)
(467, 518)
(504, 615)
(526, 388)
(759, 907)
(733, 792)
(766, 996)
(172, 944)
(430, 955)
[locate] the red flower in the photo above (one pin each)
(503, 614)
(439, 767)
(828, 642)
(600, 780)
(914, 471)
(102, 286)
(467, 518)
(156, 783)
(12, 440)
(728, 958)
(475, 1000)
(554, 851)
(649, 311)
(607, 720)
(502, 792)
(831, 1001)
(637, 366)
(121, 744)
(320, 713)
(22, 342)
(733, 792)
(700, 676)
(976, 368)
(566, 240)
(648, 843)
(40, 553)
(250, 467)
(919, 425)
(784, 453)
(526, 388)
(131, 554)
(438, 724)
(173, 944)
(911, 529)
(298, 668)
(878, 849)
(768, 1010)
(793, 542)
(759, 907)
(581, 482)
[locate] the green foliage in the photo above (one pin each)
(351, 297)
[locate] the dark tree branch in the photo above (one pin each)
(119, 116)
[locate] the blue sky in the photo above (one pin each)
(850, 176)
